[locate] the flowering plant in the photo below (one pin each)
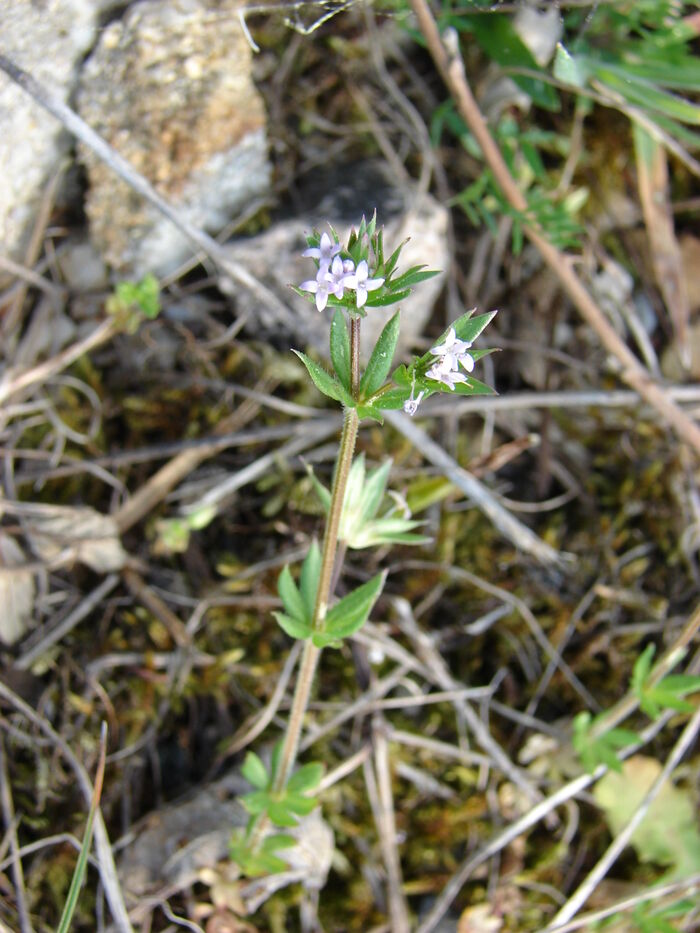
(351, 279)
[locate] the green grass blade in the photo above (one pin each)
(81, 865)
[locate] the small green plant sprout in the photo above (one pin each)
(599, 748)
(667, 693)
(280, 808)
(173, 534)
(341, 621)
(131, 302)
(351, 279)
(360, 524)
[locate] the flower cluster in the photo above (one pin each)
(450, 355)
(335, 274)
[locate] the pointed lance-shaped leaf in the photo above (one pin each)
(308, 583)
(382, 357)
(340, 349)
(254, 770)
(290, 595)
(350, 614)
(373, 492)
(325, 383)
(307, 778)
(295, 628)
(280, 814)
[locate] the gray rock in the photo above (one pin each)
(275, 257)
(82, 266)
(169, 87)
(48, 40)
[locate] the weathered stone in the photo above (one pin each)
(48, 40)
(169, 87)
(340, 198)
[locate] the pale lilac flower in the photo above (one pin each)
(330, 281)
(321, 287)
(324, 252)
(340, 275)
(446, 371)
(362, 283)
(453, 352)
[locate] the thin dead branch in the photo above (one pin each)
(509, 526)
(14, 382)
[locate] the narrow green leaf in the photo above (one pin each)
(310, 572)
(473, 387)
(392, 399)
(275, 759)
(320, 490)
(657, 698)
(412, 277)
(350, 614)
(279, 814)
(265, 864)
(300, 805)
(290, 595)
(649, 96)
(382, 357)
(255, 802)
(270, 844)
(369, 411)
(254, 771)
(469, 327)
(308, 777)
(642, 667)
(373, 491)
(320, 640)
(295, 628)
(498, 38)
(406, 538)
(340, 349)
(391, 262)
(569, 68)
(680, 684)
(324, 382)
(81, 864)
(385, 300)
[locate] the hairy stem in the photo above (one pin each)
(310, 655)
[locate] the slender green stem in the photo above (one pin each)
(310, 655)
(355, 356)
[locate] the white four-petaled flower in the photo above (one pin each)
(443, 372)
(453, 352)
(362, 283)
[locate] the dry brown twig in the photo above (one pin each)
(451, 68)
(378, 781)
